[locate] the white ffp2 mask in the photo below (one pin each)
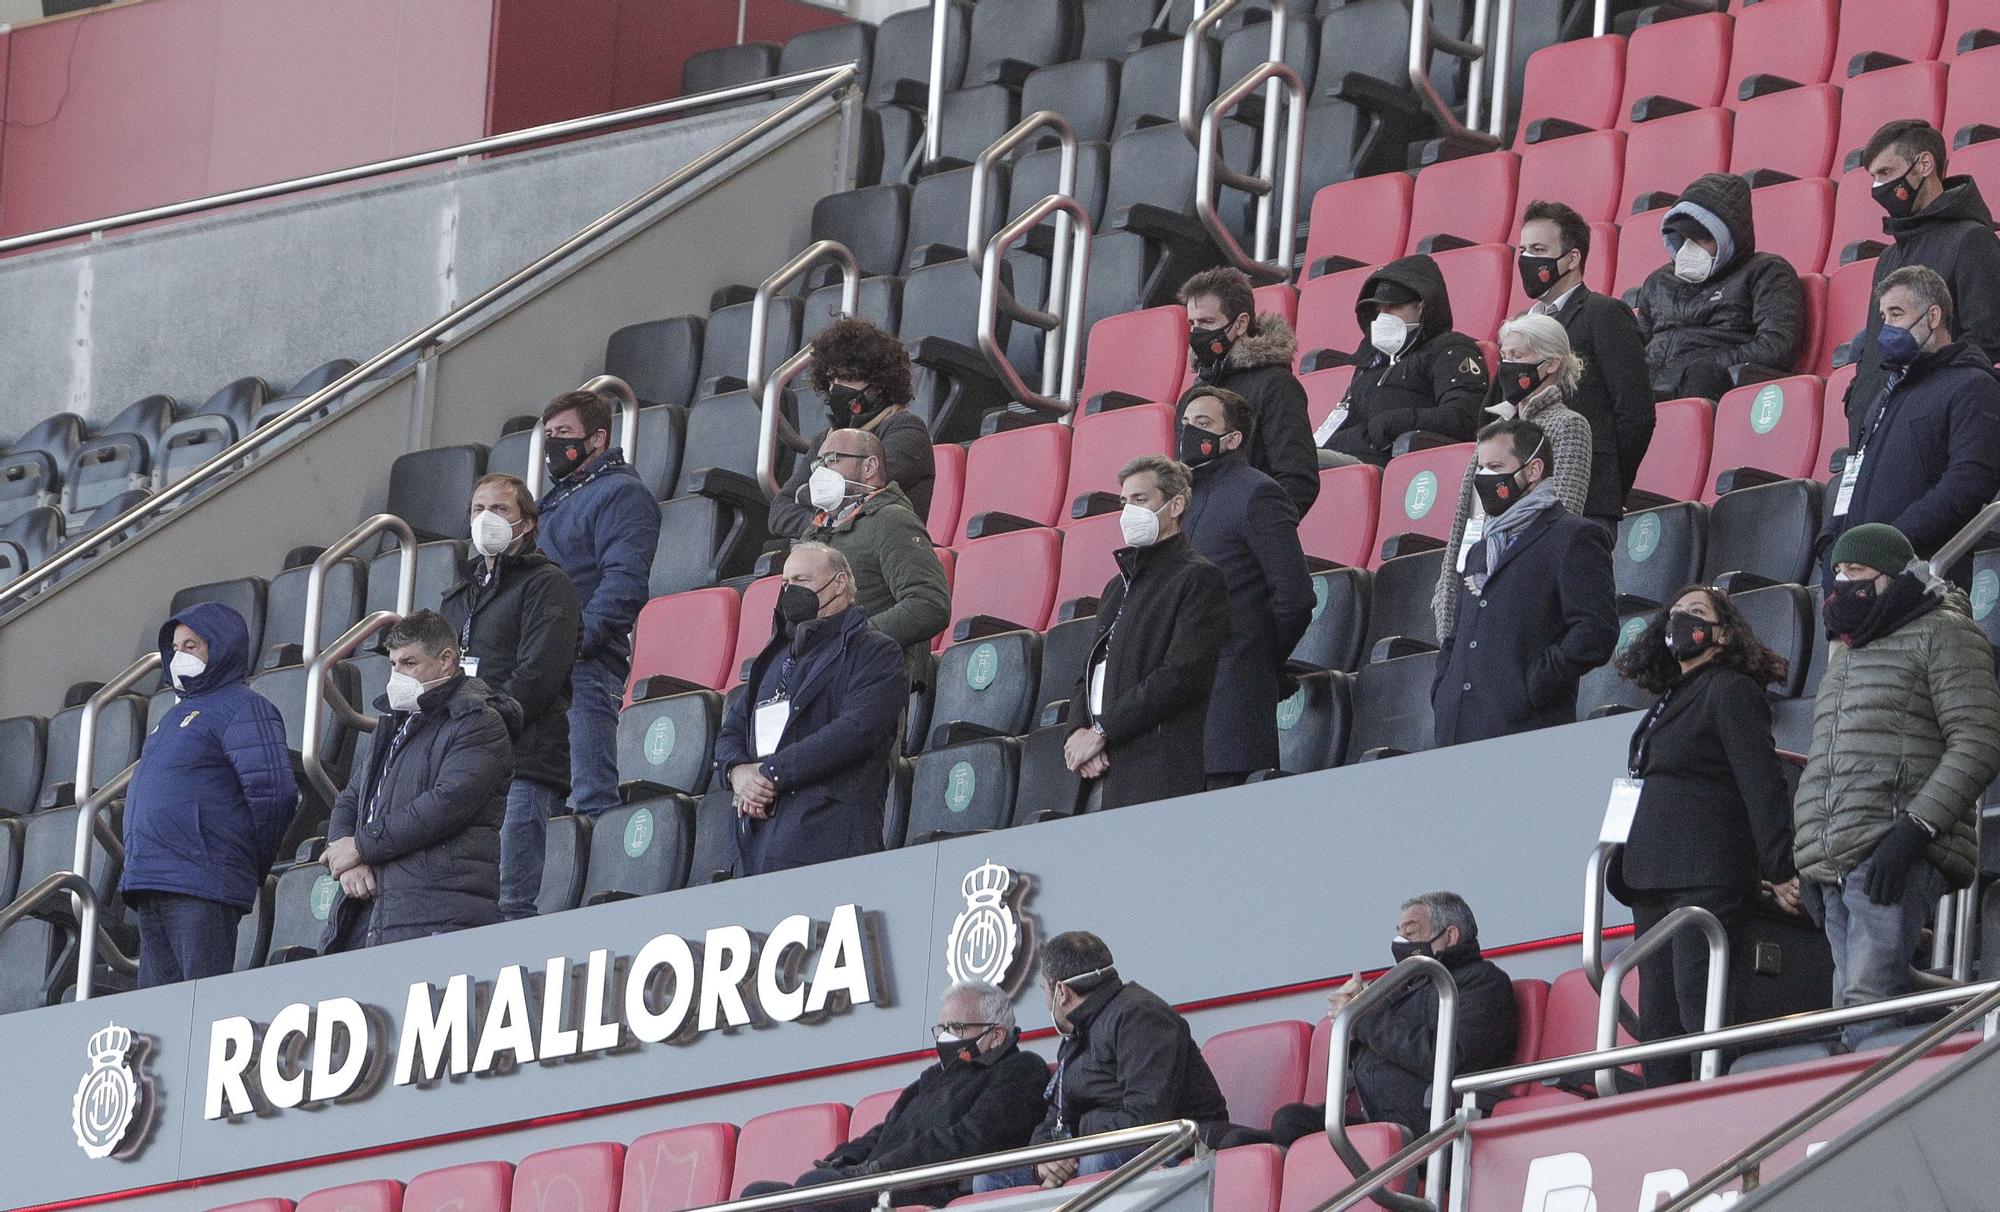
(1693, 263)
(827, 488)
(491, 533)
(1140, 525)
(1388, 333)
(404, 691)
(184, 668)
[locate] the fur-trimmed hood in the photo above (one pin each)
(1270, 342)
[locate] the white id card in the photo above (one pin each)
(1619, 811)
(1475, 530)
(1327, 428)
(1848, 475)
(772, 716)
(469, 666)
(1097, 690)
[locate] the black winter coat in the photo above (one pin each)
(1161, 626)
(524, 627)
(1240, 521)
(1392, 1067)
(949, 1114)
(1437, 384)
(1547, 617)
(1954, 236)
(433, 836)
(1615, 396)
(1259, 368)
(1131, 1061)
(1750, 310)
(1714, 811)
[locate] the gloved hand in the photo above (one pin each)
(1889, 866)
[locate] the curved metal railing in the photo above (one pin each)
(1059, 368)
(84, 898)
(1715, 1002)
(623, 401)
(1283, 184)
(1416, 968)
(772, 427)
(406, 573)
(322, 695)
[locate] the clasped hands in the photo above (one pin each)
(1086, 755)
(357, 879)
(754, 792)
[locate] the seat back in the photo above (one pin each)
(247, 596)
(1420, 494)
(1791, 39)
(1687, 62)
(1867, 101)
(660, 360)
(991, 683)
(938, 209)
(1400, 599)
(299, 911)
(343, 589)
(1314, 722)
(726, 66)
(473, 1187)
(1084, 92)
(1773, 427)
(1341, 524)
(1392, 706)
(1894, 27)
(903, 53)
(1471, 198)
(1150, 80)
(375, 1195)
(639, 849)
(830, 45)
(1139, 353)
(687, 636)
(1260, 1068)
(1022, 472)
(947, 493)
(1793, 219)
(1768, 531)
(1664, 156)
(1833, 429)
(964, 788)
(1031, 32)
(1008, 576)
(670, 740)
(1782, 617)
(121, 730)
(437, 571)
(679, 1168)
(1578, 82)
(714, 850)
(565, 858)
(429, 489)
(1658, 551)
(1104, 442)
(1314, 1174)
(1587, 171)
(23, 743)
(573, 1178)
(780, 1145)
(872, 222)
(1333, 640)
(725, 341)
(1365, 220)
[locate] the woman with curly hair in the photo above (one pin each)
(863, 374)
(1714, 814)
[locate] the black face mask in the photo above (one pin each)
(798, 603)
(956, 1052)
(1198, 446)
(849, 407)
(1403, 949)
(1538, 273)
(565, 455)
(1209, 345)
(1848, 606)
(1498, 490)
(1688, 636)
(1518, 380)
(1897, 196)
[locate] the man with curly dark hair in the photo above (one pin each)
(863, 374)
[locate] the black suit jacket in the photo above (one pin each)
(1616, 395)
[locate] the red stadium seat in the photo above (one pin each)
(871, 1111)
(947, 490)
(1964, 17)
(687, 636)
(1470, 198)
(754, 622)
(574, 1178)
(1789, 39)
(474, 1187)
(1597, 271)
(257, 1205)
(778, 1146)
(1314, 1174)
(1914, 90)
(1792, 219)
(1531, 1011)
(1248, 1177)
(380, 1195)
(1641, 250)
(1907, 29)
(1969, 97)
(1139, 353)
(1663, 157)
(1363, 221)
(1316, 1054)
(1981, 162)
(1686, 60)
(1585, 172)
(1792, 132)
(1104, 442)
(1813, 357)
(1277, 297)
(1773, 427)
(1477, 280)
(1340, 526)
(1017, 471)
(1326, 312)
(1325, 389)
(949, 558)
(1087, 566)
(1008, 576)
(678, 1169)
(1259, 1068)
(1676, 464)
(1857, 216)
(1570, 1027)
(1833, 419)
(1420, 494)
(1850, 295)
(1577, 82)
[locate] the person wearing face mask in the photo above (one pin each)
(1538, 375)
(1926, 457)
(1413, 372)
(1713, 817)
(209, 803)
(600, 524)
(1230, 346)
(863, 374)
(1139, 713)
(899, 582)
(984, 1095)
(1536, 608)
(518, 622)
(1240, 521)
(1127, 1059)
(805, 749)
(415, 837)
(1905, 740)
(1719, 307)
(1935, 221)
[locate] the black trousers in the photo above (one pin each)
(1673, 981)
(813, 1178)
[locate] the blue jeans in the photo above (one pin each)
(522, 833)
(1871, 943)
(597, 690)
(1024, 1176)
(183, 938)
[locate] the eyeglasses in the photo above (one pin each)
(831, 455)
(958, 1028)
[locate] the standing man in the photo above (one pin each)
(518, 622)
(208, 805)
(806, 748)
(601, 525)
(1138, 716)
(1414, 372)
(415, 838)
(1234, 348)
(1240, 521)
(1536, 608)
(1906, 737)
(1614, 395)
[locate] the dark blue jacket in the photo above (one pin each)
(602, 524)
(831, 766)
(214, 791)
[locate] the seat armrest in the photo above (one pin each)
(1758, 178)
(1382, 751)
(1763, 84)
(1107, 401)
(729, 487)
(1655, 200)
(661, 685)
(1013, 73)
(1377, 96)
(949, 357)
(979, 626)
(1389, 647)
(958, 732)
(770, 562)
(1084, 607)
(1607, 710)
(730, 296)
(1332, 263)
(945, 835)
(1639, 499)
(1162, 226)
(1861, 250)
(1442, 242)
(1651, 108)
(1325, 359)
(1420, 439)
(632, 791)
(1544, 130)
(1091, 504)
(1977, 39)
(1745, 373)
(932, 254)
(1745, 477)
(1872, 61)
(995, 522)
(1409, 543)
(1054, 712)
(1975, 132)
(914, 95)
(1742, 582)
(1266, 775)
(1629, 603)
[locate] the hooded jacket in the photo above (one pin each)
(523, 628)
(1392, 1067)
(1130, 1061)
(214, 792)
(1437, 383)
(601, 525)
(899, 583)
(1259, 368)
(1954, 236)
(427, 821)
(1750, 309)
(1908, 722)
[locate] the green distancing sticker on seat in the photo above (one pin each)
(638, 832)
(1420, 495)
(1291, 709)
(1644, 538)
(320, 900)
(959, 784)
(660, 740)
(982, 666)
(1767, 408)
(1630, 630)
(1985, 592)
(1319, 597)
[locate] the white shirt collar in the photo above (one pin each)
(1548, 306)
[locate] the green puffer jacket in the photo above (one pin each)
(899, 582)
(1909, 722)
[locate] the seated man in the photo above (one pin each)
(806, 748)
(1127, 1059)
(1394, 1045)
(983, 1096)
(1412, 373)
(863, 374)
(1721, 303)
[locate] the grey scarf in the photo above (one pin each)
(1503, 530)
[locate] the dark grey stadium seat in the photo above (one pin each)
(877, 300)
(1149, 86)
(312, 382)
(938, 212)
(429, 489)
(1047, 790)
(1011, 38)
(896, 804)
(23, 742)
(31, 472)
(986, 686)
(1657, 552)
(970, 119)
(100, 520)
(118, 456)
(872, 222)
(1249, 46)
(210, 428)
(1399, 602)
(565, 858)
(1112, 28)
(12, 836)
(726, 66)
(902, 65)
(253, 931)
(964, 788)
(38, 532)
(714, 528)
(1314, 722)
(320, 377)
(714, 853)
(640, 849)
(669, 741)
(27, 953)
(923, 692)
(955, 386)
(299, 910)
(725, 346)
(1763, 535)
(660, 360)
(372, 673)
(898, 132)
(1150, 241)
(849, 42)
(1039, 174)
(343, 593)
(1392, 707)
(286, 688)
(1085, 93)
(247, 596)
(48, 845)
(437, 569)
(1781, 615)
(1602, 687)
(1065, 652)
(1333, 640)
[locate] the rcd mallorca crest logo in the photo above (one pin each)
(987, 936)
(110, 1100)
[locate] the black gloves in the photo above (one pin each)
(1385, 427)
(1889, 865)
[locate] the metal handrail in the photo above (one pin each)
(1956, 547)
(1068, 301)
(772, 425)
(90, 811)
(1423, 40)
(624, 401)
(982, 173)
(86, 728)
(1595, 872)
(1716, 999)
(1211, 173)
(321, 693)
(832, 80)
(1163, 1140)
(1415, 968)
(406, 573)
(1192, 43)
(84, 897)
(1503, 50)
(1422, 1148)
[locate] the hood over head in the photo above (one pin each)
(1720, 202)
(1418, 274)
(228, 639)
(1270, 342)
